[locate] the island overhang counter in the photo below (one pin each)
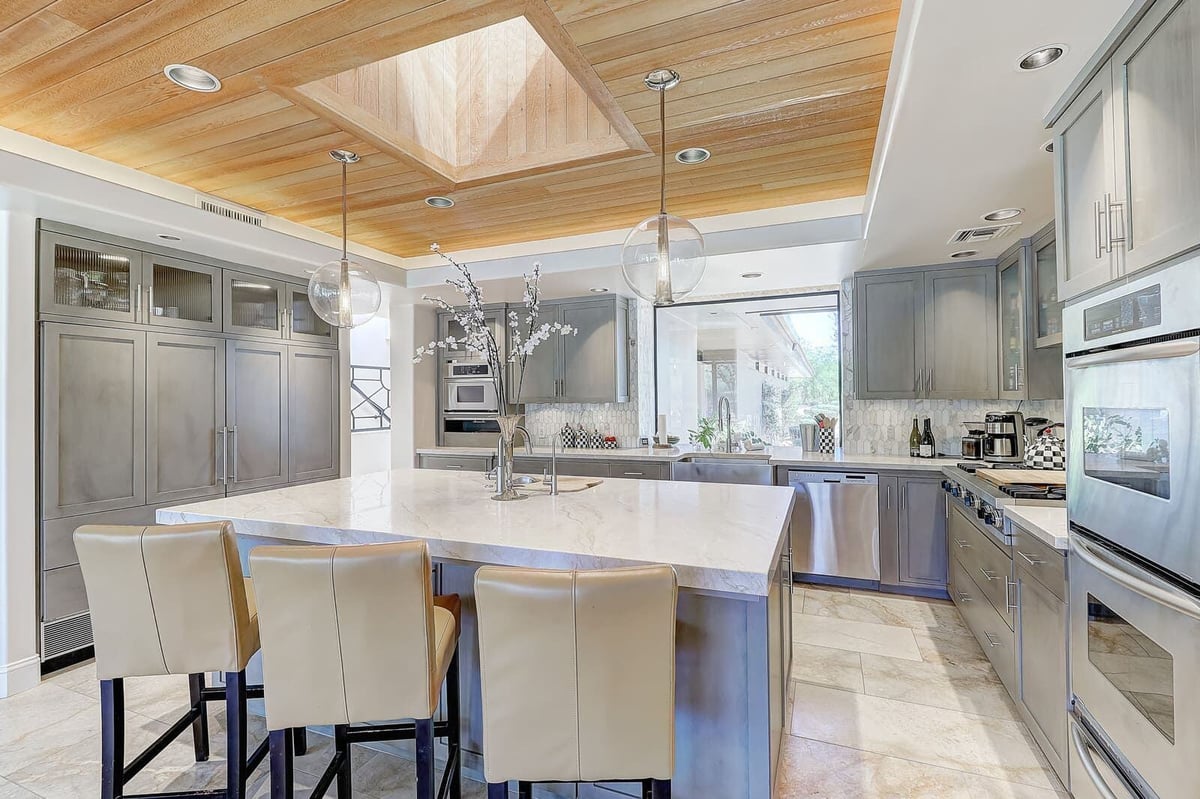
(729, 545)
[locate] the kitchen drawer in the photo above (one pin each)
(989, 565)
(640, 470)
(63, 593)
(58, 535)
(465, 463)
(532, 465)
(992, 631)
(1040, 560)
(583, 467)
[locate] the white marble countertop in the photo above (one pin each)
(778, 456)
(1048, 524)
(718, 537)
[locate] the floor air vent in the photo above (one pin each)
(974, 235)
(238, 213)
(66, 635)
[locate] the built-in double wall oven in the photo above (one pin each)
(1133, 495)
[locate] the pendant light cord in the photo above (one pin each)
(344, 210)
(662, 172)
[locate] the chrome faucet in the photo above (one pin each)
(555, 440)
(528, 441)
(724, 419)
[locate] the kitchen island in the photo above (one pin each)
(728, 544)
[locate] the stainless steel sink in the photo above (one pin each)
(749, 468)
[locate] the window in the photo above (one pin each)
(777, 361)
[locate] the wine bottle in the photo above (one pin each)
(928, 447)
(914, 441)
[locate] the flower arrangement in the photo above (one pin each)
(525, 331)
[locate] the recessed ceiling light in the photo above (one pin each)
(169, 237)
(1002, 214)
(692, 155)
(439, 202)
(964, 254)
(751, 275)
(598, 290)
(1048, 146)
(190, 77)
(1041, 57)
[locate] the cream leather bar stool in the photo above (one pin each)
(578, 677)
(170, 600)
(353, 637)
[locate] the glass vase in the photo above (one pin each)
(506, 491)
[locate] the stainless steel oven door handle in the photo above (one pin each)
(1083, 748)
(1144, 352)
(1151, 588)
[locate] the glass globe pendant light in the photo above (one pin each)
(663, 256)
(344, 293)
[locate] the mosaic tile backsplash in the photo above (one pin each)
(628, 421)
(881, 427)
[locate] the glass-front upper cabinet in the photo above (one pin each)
(303, 324)
(253, 305)
(181, 293)
(1047, 309)
(79, 277)
(1012, 326)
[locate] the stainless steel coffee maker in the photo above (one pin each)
(1004, 437)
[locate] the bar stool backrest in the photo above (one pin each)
(578, 673)
(166, 599)
(347, 633)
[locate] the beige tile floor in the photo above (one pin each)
(891, 699)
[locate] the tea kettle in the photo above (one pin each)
(1043, 448)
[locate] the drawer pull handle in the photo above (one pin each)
(1008, 584)
(632, 474)
(453, 466)
(963, 596)
(992, 640)
(962, 544)
(1029, 560)
(988, 574)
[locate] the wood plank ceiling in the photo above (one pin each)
(785, 93)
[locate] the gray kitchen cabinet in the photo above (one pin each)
(960, 358)
(88, 279)
(313, 427)
(921, 533)
(1084, 179)
(252, 305)
(889, 335)
(1047, 309)
(541, 381)
(595, 365)
(464, 463)
(93, 411)
(257, 413)
(185, 417)
(1043, 692)
(1027, 371)
(1156, 116)
(302, 322)
(181, 294)
(639, 470)
(889, 531)
(925, 333)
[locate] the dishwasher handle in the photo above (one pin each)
(798, 478)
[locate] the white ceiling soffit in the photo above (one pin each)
(52, 182)
(962, 130)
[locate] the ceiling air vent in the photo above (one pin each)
(238, 213)
(974, 235)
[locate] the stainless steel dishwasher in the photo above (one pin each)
(835, 526)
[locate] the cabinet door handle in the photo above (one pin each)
(137, 304)
(902, 492)
(962, 544)
(992, 640)
(235, 459)
(889, 498)
(963, 596)
(149, 302)
(221, 462)
(1098, 222)
(1029, 560)
(929, 386)
(1008, 604)
(1110, 208)
(990, 575)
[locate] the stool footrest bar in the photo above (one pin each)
(162, 742)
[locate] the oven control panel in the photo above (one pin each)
(1136, 311)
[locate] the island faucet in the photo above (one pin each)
(555, 440)
(724, 419)
(528, 440)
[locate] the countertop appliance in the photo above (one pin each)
(835, 527)
(1133, 464)
(1004, 437)
(972, 442)
(470, 395)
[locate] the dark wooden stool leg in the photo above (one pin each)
(524, 790)
(426, 787)
(112, 734)
(497, 790)
(235, 733)
(647, 789)
(200, 725)
(341, 745)
(662, 789)
(282, 775)
(454, 739)
(300, 740)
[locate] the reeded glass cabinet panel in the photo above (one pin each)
(1012, 332)
(88, 278)
(253, 305)
(182, 294)
(303, 322)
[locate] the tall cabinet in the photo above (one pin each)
(164, 379)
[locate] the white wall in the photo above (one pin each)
(414, 386)
(19, 663)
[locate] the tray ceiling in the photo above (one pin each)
(531, 114)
